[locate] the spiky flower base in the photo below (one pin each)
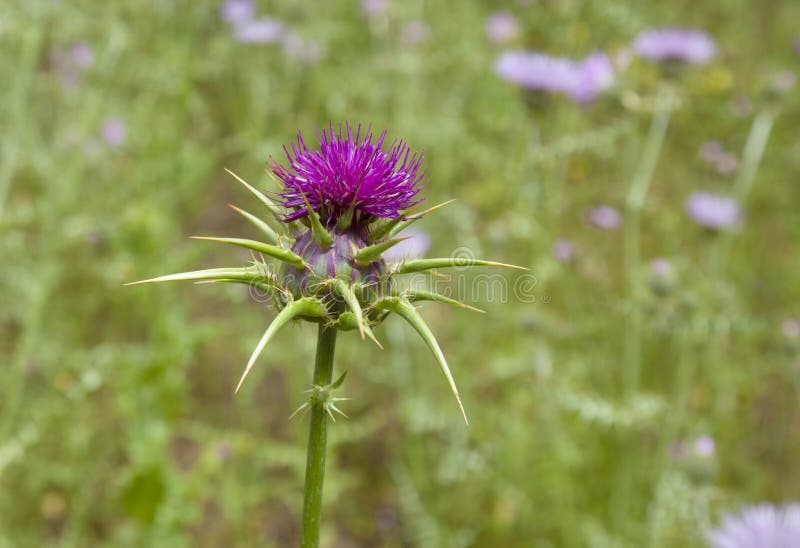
(334, 275)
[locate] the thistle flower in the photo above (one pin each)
(339, 212)
(762, 526)
(675, 44)
(713, 210)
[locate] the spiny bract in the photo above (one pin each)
(340, 209)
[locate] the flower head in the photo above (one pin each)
(582, 81)
(501, 27)
(713, 210)
(675, 44)
(604, 217)
(762, 526)
(349, 174)
(258, 31)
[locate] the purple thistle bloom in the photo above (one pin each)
(114, 132)
(605, 217)
(762, 526)
(349, 171)
(414, 247)
(501, 27)
(258, 31)
(713, 210)
(675, 44)
(563, 250)
(235, 11)
(582, 81)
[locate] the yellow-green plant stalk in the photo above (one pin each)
(338, 210)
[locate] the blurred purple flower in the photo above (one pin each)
(295, 46)
(661, 267)
(114, 132)
(762, 526)
(374, 7)
(604, 216)
(726, 163)
(563, 250)
(415, 246)
(501, 27)
(791, 328)
(236, 11)
(713, 210)
(594, 75)
(711, 150)
(704, 446)
(783, 81)
(675, 44)
(82, 55)
(414, 33)
(258, 31)
(582, 81)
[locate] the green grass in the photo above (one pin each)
(118, 422)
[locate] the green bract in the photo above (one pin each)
(334, 274)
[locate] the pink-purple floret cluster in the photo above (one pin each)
(349, 171)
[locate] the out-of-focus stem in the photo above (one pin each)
(317, 438)
(634, 203)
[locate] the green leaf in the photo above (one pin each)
(405, 223)
(303, 307)
(372, 253)
(244, 275)
(414, 295)
(268, 249)
(272, 236)
(406, 310)
(418, 265)
(318, 232)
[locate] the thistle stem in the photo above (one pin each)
(317, 438)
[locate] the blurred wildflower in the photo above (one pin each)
(762, 526)
(502, 27)
(796, 45)
(70, 62)
(374, 7)
(296, 47)
(604, 216)
(675, 44)
(661, 267)
(784, 81)
(713, 210)
(726, 163)
(258, 31)
(414, 33)
(235, 11)
(711, 150)
(82, 55)
(582, 80)
(704, 446)
(414, 247)
(741, 106)
(563, 250)
(791, 328)
(114, 132)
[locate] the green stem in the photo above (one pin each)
(634, 204)
(317, 438)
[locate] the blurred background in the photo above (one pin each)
(647, 384)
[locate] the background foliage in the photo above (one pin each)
(118, 423)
